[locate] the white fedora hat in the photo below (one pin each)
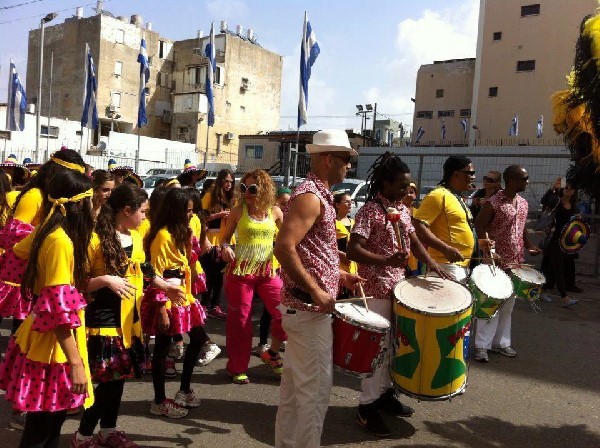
(330, 140)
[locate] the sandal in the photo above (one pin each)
(240, 378)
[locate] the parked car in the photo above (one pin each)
(150, 181)
(171, 172)
(357, 189)
(424, 191)
(279, 181)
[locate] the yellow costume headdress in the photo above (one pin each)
(60, 203)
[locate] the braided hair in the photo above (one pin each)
(386, 167)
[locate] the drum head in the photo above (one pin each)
(492, 282)
(529, 275)
(359, 315)
(433, 295)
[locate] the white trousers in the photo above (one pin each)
(306, 380)
(496, 331)
(373, 387)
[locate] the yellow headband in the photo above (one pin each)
(69, 165)
(60, 202)
(172, 182)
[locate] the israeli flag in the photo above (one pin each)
(17, 101)
(390, 137)
(420, 133)
(144, 77)
(210, 53)
(443, 130)
(309, 50)
(540, 126)
(89, 117)
(465, 126)
(513, 131)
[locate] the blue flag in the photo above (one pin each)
(513, 131)
(540, 126)
(309, 50)
(89, 117)
(420, 133)
(209, 52)
(465, 126)
(144, 76)
(443, 130)
(17, 101)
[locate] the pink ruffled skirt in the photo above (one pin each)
(12, 303)
(182, 318)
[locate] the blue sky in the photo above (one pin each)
(370, 50)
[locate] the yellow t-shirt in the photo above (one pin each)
(196, 226)
(30, 206)
(342, 232)
(144, 228)
(448, 220)
(215, 236)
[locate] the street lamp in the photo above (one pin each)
(46, 19)
(363, 111)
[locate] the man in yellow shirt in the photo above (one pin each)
(444, 223)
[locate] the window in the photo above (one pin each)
(219, 75)
(254, 151)
(526, 66)
(498, 35)
(163, 80)
(439, 93)
(197, 76)
(118, 68)
(530, 10)
(50, 132)
(493, 92)
(425, 114)
(465, 112)
(164, 48)
(120, 36)
(115, 99)
(445, 113)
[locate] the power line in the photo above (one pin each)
(42, 15)
(21, 4)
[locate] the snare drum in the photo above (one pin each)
(358, 338)
(431, 337)
(527, 282)
(490, 288)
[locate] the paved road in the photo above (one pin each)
(549, 396)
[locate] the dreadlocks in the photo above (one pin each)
(386, 167)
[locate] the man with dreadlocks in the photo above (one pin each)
(444, 223)
(382, 259)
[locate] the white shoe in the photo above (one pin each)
(170, 369)
(168, 408)
(260, 348)
(177, 350)
(481, 355)
(209, 352)
(546, 298)
(188, 400)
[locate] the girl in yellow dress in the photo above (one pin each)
(45, 370)
(343, 226)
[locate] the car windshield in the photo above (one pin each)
(344, 187)
(150, 181)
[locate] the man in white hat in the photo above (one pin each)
(306, 247)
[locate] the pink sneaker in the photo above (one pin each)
(116, 439)
(217, 313)
(88, 443)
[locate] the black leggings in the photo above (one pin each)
(556, 264)
(213, 270)
(42, 429)
(162, 343)
(107, 401)
(16, 323)
(265, 326)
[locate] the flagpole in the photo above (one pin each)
(49, 107)
(206, 147)
(137, 154)
(81, 141)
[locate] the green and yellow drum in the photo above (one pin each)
(490, 287)
(432, 320)
(527, 282)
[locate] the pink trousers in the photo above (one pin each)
(239, 291)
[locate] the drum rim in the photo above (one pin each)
(526, 268)
(363, 325)
(425, 313)
(471, 281)
(422, 397)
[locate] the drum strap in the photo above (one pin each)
(475, 255)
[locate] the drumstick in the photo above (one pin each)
(353, 299)
(364, 298)
(393, 215)
(492, 252)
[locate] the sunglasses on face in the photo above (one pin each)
(470, 173)
(490, 179)
(251, 189)
(345, 159)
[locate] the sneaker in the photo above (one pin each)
(168, 408)
(546, 298)
(240, 378)
(177, 350)
(505, 351)
(217, 313)
(209, 352)
(368, 417)
(85, 443)
(170, 370)
(116, 439)
(389, 403)
(569, 302)
(260, 349)
(283, 344)
(275, 362)
(481, 355)
(17, 421)
(188, 400)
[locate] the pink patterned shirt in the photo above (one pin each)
(372, 224)
(318, 250)
(507, 227)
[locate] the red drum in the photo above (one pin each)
(358, 338)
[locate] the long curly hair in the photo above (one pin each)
(78, 224)
(265, 198)
(4, 189)
(172, 215)
(385, 167)
(99, 178)
(125, 195)
(221, 199)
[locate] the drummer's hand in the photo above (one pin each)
(434, 267)
(324, 300)
(398, 260)
(534, 251)
(452, 254)
(351, 281)
(486, 245)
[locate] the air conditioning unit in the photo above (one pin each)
(113, 108)
(230, 136)
(166, 116)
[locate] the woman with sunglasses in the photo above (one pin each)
(491, 185)
(251, 270)
(216, 205)
(343, 225)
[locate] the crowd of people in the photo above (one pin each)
(92, 270)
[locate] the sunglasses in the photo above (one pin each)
(470, 173)
(490, 179)
(345, 159)
(251, 189)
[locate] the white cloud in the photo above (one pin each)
(226, 9)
